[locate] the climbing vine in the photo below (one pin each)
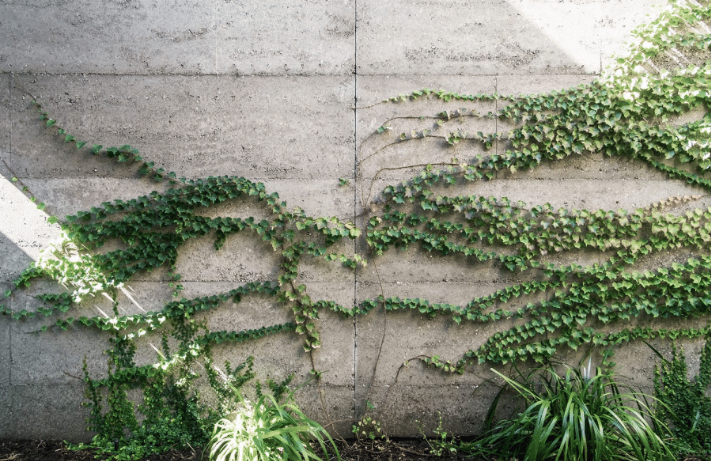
(629, 112)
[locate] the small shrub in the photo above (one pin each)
(439, 445)
(368, 428)
(266, 430)
(573, 416)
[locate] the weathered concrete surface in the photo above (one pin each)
(491, 36)
(5, 354)
(43, 410)
(178, 37)
(260, 128)
(5, 365)
(4, 122)
(267, 91)
(252, 37)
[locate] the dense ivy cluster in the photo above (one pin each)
(686, 404)
(629, 113)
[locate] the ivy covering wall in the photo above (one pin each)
(633, 111)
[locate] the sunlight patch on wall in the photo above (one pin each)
(588, 33)
(22, 223)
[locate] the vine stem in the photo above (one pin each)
(382, 339)
(406, 167)
(331, 422)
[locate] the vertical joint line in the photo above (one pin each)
(217, 42)
(600, 70)
(355, 194)
(10, 82)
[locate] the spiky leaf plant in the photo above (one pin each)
(574, 416)
(268, 430)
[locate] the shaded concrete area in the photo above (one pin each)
(285, 92)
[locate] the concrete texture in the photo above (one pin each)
(178, 37)
(332, 405)
(260, 128)
(522, 37)
(4, 122)
(43, 410)
(6, 353)
(24, 230)
(287, 92)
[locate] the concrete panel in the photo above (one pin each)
(281, 37)
(335, 357)
(285, 128)
(12, 257)
(316, 197)
(277, 107)
(589, 194)
(389, 345)
(420, 266)
(138, 297)
(6, 424)
(475, 43)
(46, 411)
(407, 336)
(332, 406)
(584, 30)
(245, 257)
(491, 37)
(178, 37)
(405, 409)
(133, 37)
(516, 85)
(53, 355)
(616, 24)
(65, 197)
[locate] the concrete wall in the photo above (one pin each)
(266, 90)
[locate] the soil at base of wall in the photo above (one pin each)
(54, 450)
(394, 450)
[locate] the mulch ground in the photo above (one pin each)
(393, 450)
(53, 450)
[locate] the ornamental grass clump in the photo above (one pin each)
(574, 416)
(268, 430)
